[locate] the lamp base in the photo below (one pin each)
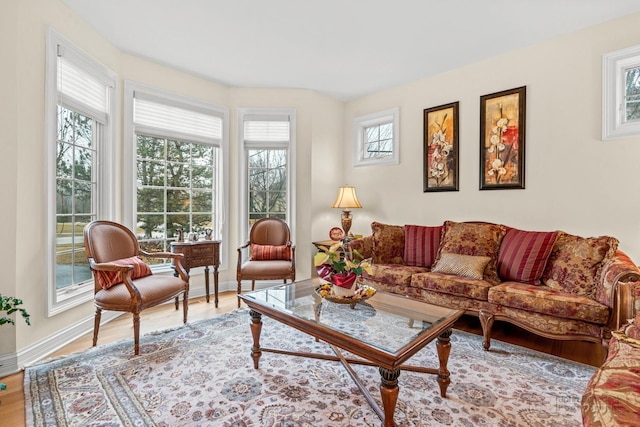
(346, 222)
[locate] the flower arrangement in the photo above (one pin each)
(341, 271)
(497, 146)
(439, 167)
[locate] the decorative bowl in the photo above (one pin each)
(362, 293)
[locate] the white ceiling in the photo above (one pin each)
(344, 48)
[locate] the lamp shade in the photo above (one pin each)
(346, 198)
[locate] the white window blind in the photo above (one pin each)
(267, 130)
(79, 90)
(176, 121)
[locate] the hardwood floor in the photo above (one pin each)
(12, 409)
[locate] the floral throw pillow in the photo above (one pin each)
(576, 262)
(475, 239)
(388, 243)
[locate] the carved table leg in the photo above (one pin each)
(256, 328)
(389, 391)
(444, 349)
(206, 281)
(215, 285)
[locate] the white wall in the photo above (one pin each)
(574, 181)
(24, 217)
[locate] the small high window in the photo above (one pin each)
(621, 93)
(376, 138)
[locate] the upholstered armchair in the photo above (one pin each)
(122, 281)
(272, 256)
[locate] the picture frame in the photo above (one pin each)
(502, 139)
(440, 149)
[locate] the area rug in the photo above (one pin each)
(201, 374)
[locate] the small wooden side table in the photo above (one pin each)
(202, 253)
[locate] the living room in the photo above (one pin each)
(575, 180)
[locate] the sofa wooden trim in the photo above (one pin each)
(622, 301)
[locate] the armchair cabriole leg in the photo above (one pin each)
(486, 321)
(185, 306)
(136, 333)
(239, 291)
(96, 325)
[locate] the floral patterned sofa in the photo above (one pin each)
(612, 397)
(554, 284)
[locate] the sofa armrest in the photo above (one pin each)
(619, 289)
(363, 245)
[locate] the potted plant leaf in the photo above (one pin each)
(8, 306)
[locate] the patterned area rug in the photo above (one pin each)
(202, 374)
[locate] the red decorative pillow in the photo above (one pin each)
(524, 254)
(388, 243)
(106, 279)
(421, 245)
(270, 252)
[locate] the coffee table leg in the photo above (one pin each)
(444, 349)
(389, 392)
(256, 328)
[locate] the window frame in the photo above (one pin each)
(614, 65)
(130, 165)
(58, 302)
(360, 124)
(243, 179)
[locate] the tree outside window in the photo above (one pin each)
(175, 190)
(75, 194)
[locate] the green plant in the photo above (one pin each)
(10, 305)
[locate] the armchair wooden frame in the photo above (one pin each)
(266, 231)
(134, 302)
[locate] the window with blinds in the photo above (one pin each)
(266, 139)
(178, 167)
(80, 94)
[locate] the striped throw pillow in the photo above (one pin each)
(270, 252)
(421, 245)
(524, 254)
(106, 279)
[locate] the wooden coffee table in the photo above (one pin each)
(384, 331)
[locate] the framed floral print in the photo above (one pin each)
(502, 130)
(440, 155)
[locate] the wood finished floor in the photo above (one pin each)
(12, 411)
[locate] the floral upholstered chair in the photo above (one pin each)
(612, 397)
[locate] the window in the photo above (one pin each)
(621, 93)
(267, 140)
(178, 146)
(79, 108)
(376, 138)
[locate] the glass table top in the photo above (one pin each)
(386, 321)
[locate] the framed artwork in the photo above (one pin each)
(440, 155)
(502, 125)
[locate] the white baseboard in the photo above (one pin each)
(10, 363)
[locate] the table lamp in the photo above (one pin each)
(346, 200)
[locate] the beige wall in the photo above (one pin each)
(318, 119)
(574, 181)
